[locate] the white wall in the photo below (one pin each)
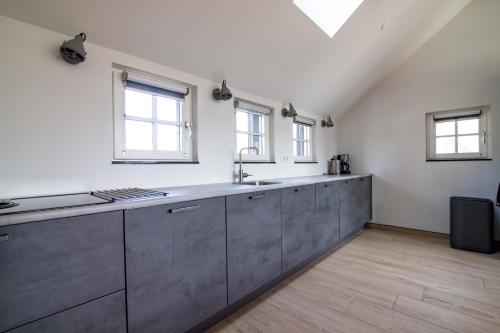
(56, 123)
(385, 131)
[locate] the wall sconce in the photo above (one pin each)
(327, 123)
(73, 51)
(223, 93)
(291, 112)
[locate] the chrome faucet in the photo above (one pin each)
(242, 174)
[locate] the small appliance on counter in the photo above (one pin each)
(339, 165)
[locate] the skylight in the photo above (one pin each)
(329, 15)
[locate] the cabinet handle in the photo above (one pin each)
(298, 189)
(183, 209)
(360, 179)
(257, 196)
(325, 185)
(4, 237)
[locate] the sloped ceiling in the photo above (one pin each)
(266, 47)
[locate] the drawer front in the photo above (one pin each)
(176, 265)
(50, 266)
(327, 228)
(104, 315)
(253, 241)
(298, 206)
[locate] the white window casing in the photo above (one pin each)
(303, 139)
(160, 90)
(462, 134)
(252, 128)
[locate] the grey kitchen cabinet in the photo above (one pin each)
(50, 266)
(355, 204)
(298, 223)
(253, 241)
(176, 265)
(327, 227)
(103, 315)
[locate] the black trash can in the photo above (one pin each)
(471, 224)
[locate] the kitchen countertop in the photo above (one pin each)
(175, 194)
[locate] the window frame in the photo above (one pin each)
(484, 133)
(302, 121)
(246, 107)
(184, 108)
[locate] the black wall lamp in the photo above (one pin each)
(73, 51)
(290, 112)
(223, 93)
(327, 123)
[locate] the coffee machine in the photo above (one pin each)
(344, 164)
(339, 165)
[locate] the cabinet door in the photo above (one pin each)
(365, 199)
(104, 315)
(298, 205)
(349, 205)
(327, 229)
(50, 266)
(253, 241)
(176, 265)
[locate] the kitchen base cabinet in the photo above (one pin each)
(298, 205)
(253, 241)
(50, 266)
(175, 265)
(104, 315)
(355, 204)
(327, 228)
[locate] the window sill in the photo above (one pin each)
(154, 162)
(255, 162)
(305, 162)
(458, 159)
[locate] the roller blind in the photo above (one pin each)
(138, 82)
(251, 107)
(304, 120)
(457, 115)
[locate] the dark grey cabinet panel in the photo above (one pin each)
(327, 228)
(50, 266)
(253, 241)
(176, 265)
(298, 207)
(104, 315)
(355, 204)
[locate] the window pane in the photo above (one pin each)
(307, 148)
(468, 144)
(138, 104)
(298, 149)
(242, 121)
(166, 109)
(468, 126)
(445, 128)
(138, 135)
(241, 142)
(256, 123)
(257, 141)
(445, 145)
(168, 137)
(295, 131)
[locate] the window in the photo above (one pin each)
(458, 134)
(152, 118)
(303, 139)
(252, 130)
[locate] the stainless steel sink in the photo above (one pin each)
(257, 183)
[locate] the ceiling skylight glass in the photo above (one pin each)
(329, 15)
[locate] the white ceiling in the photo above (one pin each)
(266, 47)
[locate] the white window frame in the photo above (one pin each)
(481, 113)
(119, 116)
(311, 123)
(265, 112)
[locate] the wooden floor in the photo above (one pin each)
(382, 281)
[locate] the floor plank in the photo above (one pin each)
(382, 281)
